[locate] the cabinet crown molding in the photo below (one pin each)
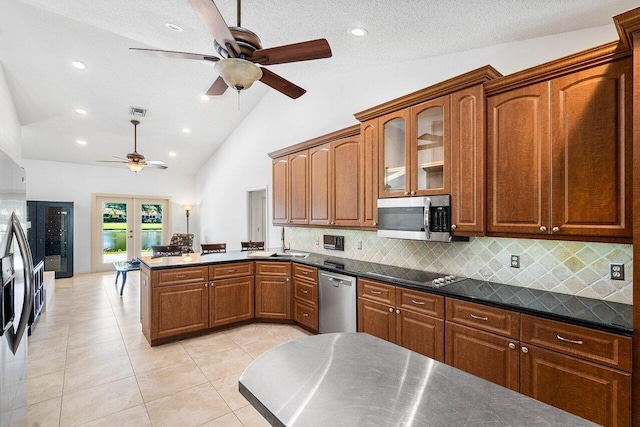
(627, 23)
(349, 132)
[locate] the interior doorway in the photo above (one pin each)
(257, 215)
(126, 227)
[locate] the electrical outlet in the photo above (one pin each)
(515, 261)
(317, 241)
(359, 244)
(616, 271)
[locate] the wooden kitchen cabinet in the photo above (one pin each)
(273, 290)
(411, 319)
(558, 160)
(319, 190)
(369, 174)
(299, 188)
(280, 180)
(305, 296)
(468, 162)
(179, 309)
(230, 301)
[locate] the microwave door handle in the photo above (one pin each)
(427, 218)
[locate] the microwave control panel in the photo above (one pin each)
(440, 222)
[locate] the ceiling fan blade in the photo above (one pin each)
(172, 54)
(218, 87)
(119, 158)
(305, 51)
(111, 161)
(281, 84)
(213, 20)
(156, 164)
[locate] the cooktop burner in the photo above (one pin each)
(418, 277)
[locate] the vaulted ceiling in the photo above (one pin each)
(40, 38)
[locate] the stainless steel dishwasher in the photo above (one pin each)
(337, 294)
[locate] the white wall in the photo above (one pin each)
(70, 182)
(329, 104)
(10, 140)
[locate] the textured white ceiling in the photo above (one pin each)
(40, 38)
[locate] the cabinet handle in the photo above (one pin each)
(417, 302)
(376, 292)
(555, 229)
(579, 342)
(328, 222)
(305, 272)
(180, 276)
(397, 311)
(525, 350)
(304, 291)
(206, 285)
(305, 314)
(375, 223)
(453, 226)
(473, 316)
(406, 193)
(231, 271)
(512, 346)
(543, 228)
(390, 309)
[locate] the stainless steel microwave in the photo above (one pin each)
(416, 218)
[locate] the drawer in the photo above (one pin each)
(586, 343)
(305, 291)
(266, 268)
(421, 302)
(490, 319)
(305, 315)
(179, 276)
(237, 269)
(377, 291)
(305, 272)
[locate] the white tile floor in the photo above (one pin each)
(90, 365)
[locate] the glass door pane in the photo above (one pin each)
(151, 226)
(116, 231)
(430, 146)
(395, 168)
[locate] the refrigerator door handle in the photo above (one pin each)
(15, 229)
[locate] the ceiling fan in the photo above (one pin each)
(240, 50)
(136, 161)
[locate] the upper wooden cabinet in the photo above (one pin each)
(280, 178)
(559, 156)
(290, 188)
(369, 173)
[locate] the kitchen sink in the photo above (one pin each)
(291, 255)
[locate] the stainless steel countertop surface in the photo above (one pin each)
(355, 379)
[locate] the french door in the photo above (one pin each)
(125, 228)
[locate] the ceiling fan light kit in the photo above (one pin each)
(238, 74)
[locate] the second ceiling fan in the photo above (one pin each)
(240, 50)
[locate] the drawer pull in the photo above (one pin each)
(304, 291)
(180, 276)
(376, 292)
(579, 342)
(417, 302)
(305, 272)
(473, 316)
(305, 314)
(231, 271)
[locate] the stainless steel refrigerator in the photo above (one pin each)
(17, 292)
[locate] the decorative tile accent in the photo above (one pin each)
(573, 268)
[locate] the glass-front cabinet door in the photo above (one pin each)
(430, 144)
(394, 156)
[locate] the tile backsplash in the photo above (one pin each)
(575, 268)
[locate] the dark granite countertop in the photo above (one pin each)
(604, 315)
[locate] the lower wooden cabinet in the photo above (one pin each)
(273, 297)
(305, 314)
(179, 309)
(411, 319)
(230, 301)
(483, 354)
(589, 390)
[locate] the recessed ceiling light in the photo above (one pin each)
(172, 154)
(81, 142)
(173, 27)
(185, 130)
(358, 32)
(80, 111)
(79, 65)
(204, 98)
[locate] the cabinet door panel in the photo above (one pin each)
(230, 301)
(518, 160)
(273, 297)
(377, 319)
(345, 177)
(298, 188)
(280, 177)
(467, 162)
(591, 391)
(420, 333)
(394, 149)
(369, 173)
(591, 140)
(319, 190)
(483, 354)
(179, 309)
